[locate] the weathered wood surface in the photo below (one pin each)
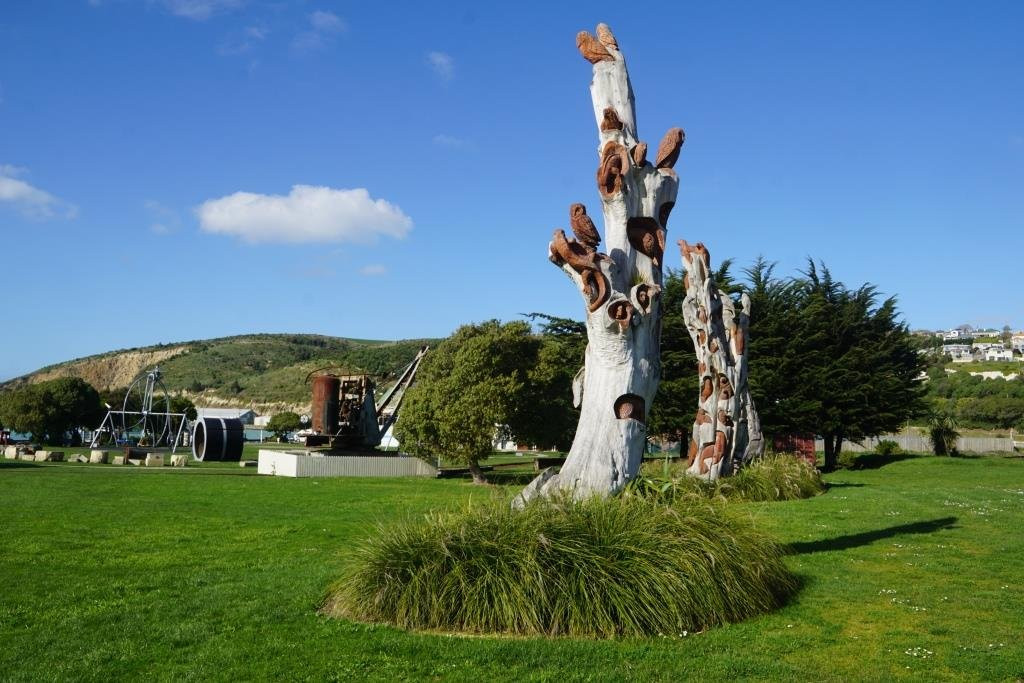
(620, 287)
(726, 431)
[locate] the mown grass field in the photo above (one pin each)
(913, 570)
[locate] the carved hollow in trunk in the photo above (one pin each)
(630, 407)
(621, 312)
(663, 213)
(614, 162)
(647, 237)
(611, 120)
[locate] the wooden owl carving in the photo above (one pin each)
(583, 227)
(668, 150)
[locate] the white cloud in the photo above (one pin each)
(323, 26)
(442, 64)
(200, 10)
(373, 270)
(307, 214)
(30, 200)
(449, 141)
(159, 229)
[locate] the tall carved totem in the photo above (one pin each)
(620, 287)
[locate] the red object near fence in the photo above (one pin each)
(801, 445)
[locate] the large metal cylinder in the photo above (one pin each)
(325, 404)
(218, 438)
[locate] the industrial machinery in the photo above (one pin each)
(144, 418)
(346, 415)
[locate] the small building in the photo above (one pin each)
(246, 415)
(998, 354)
(959, 353)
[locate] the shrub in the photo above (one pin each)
(943, 431)
(774, 477)
(888, 447)
(602, 567)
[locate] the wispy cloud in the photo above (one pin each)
(443, 140)
(200, 10)
(164, 220)
(323, 27)
(241, 42)
(373, 270)
(442, 64)
(307, 214)
(29, 200)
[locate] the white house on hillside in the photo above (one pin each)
(998, 354)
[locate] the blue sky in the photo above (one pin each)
(184, 169)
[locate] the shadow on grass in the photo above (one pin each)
(15, 464)
(511, 478)
(868, 537)
(843, 485)
(873, 461)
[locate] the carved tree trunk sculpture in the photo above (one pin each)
(726, 431)
(621, 288)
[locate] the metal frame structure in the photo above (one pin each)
(139, 414)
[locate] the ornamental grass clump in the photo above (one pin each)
(773, 477)
(603, 567)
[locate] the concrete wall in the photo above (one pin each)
(289, 464)
(921, 444)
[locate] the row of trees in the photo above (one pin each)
(825, 359)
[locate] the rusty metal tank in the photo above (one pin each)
(325, 404)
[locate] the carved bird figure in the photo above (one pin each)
(604, 34)
(583, 227)
(639, 153)
(592, 49)
(668, 150)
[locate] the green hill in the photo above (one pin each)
(261, 370)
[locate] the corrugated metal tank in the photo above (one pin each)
(325, 404)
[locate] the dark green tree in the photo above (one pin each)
(548, 417)
(285, 422)
(51, 409)
(474, 383)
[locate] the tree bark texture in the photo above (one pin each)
(621, 287)
(726, 431)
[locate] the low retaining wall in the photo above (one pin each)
(920, 444)
(289, 464)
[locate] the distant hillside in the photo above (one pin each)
(263, 371)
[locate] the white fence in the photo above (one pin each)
(289, 464)
(920, 444)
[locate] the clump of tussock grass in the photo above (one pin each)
(773, 477)
(622, 566)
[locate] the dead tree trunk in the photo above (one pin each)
(726, 431)
(621, 288)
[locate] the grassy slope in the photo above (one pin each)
(216, 573)
(269, 368)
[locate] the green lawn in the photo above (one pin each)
(912, 570)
